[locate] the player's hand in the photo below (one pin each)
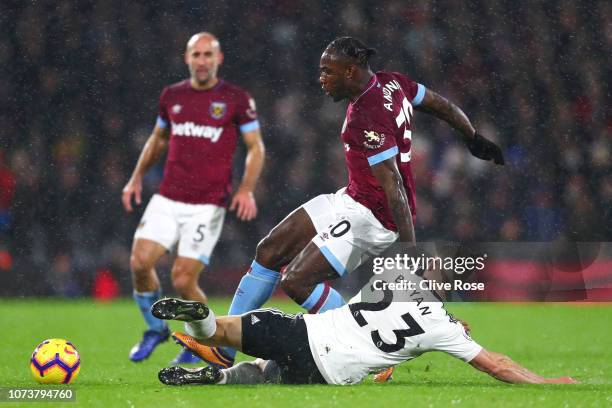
(133, 187)
(244, 204)
(485, 149)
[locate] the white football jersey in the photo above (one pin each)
(360, 338)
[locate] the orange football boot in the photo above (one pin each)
(384, 375)
(212, 355)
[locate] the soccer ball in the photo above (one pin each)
(55, 361)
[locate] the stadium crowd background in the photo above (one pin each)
(80, 83)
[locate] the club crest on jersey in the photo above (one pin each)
(176, 109)
(373, 140)
(217, 109)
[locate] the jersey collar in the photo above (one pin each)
(214, 88)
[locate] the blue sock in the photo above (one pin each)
(254, 290)
(145, 300)
(323, 298)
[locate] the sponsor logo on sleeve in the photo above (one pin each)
(373, 140)
(217, 110)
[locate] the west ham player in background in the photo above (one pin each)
(198, 123)
(333, 234)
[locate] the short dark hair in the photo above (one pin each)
(352, 48)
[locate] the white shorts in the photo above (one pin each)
(348, 234)
(196, 227)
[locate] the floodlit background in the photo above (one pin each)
(80, 80)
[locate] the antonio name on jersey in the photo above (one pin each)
(387, 92)
(193, 130)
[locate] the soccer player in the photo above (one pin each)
(198, 124)
(333, 234)
(341, 346)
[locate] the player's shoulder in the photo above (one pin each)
(386, 83)
(369, 109)
(392, 78)
(386, 76)
(178, 86)
(233, 89)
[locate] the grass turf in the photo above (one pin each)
(550, 339)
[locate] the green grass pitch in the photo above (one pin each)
(550, 339)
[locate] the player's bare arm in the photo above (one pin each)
(243, 201)
(444, 109)
(152, 151)
(505, 369)
(390, 180)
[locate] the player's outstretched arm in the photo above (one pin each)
(442, 108)
(504, 369)
(243, 201)
(388, 176)
(153, 149)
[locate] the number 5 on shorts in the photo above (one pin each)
(199, 233)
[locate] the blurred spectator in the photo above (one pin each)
(7, 191)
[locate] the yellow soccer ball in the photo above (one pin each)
(55, 361)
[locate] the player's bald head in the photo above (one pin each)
(203, 36)
(349, 50)
(203, 56)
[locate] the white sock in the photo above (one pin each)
(202, 329)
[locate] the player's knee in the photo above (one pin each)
(292, 285)
(228, 332)
(268, 252)
(140, 263)
(183, 284)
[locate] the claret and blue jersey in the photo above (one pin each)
(378, 126)
(204, 127)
